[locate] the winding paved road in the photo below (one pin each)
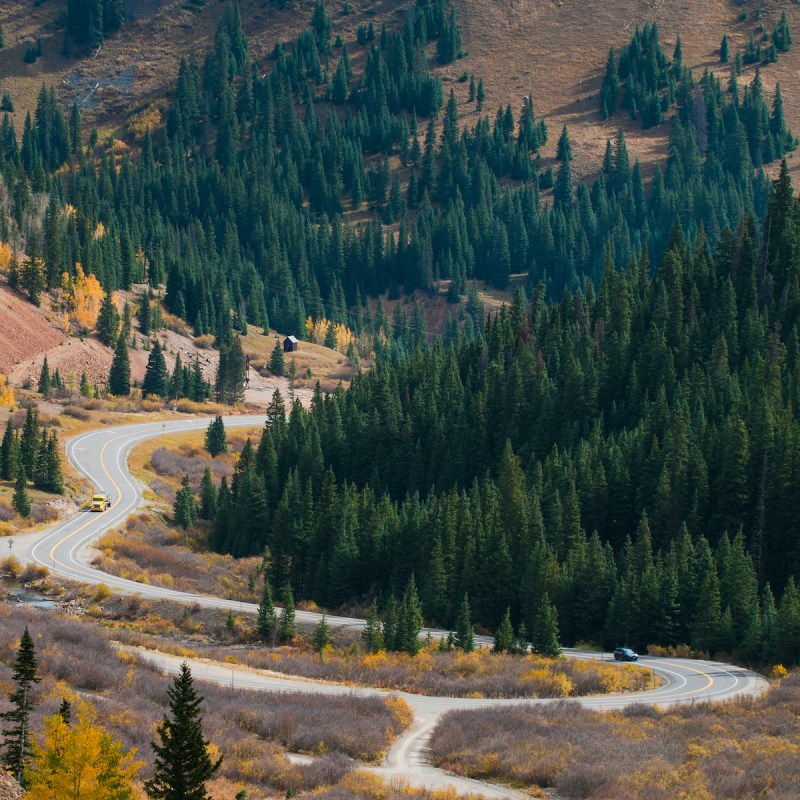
(102, 456)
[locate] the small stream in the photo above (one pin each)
(15, 593)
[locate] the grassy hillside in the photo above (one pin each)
(554, 51)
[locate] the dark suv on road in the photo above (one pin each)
(625, 654)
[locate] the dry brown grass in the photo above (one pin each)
(326, 365)
(150, 551)
(731, 751)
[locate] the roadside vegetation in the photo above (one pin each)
(253, 731)
(730, 751)
(480, 673)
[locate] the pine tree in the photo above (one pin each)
(266, 620)
(183, 764)
(107, 326)
(54, 478)
(184, 508)
(230, 372)
(8, 454)
(21, 500)
(372, 636)
(286, 628)
(177, 385)
(44, 379)
(562, 191)
(724, 50)
(564, 152)
(480, 95)
(464, 631)
(522, 644)
(545, 630)
(208, 497)
(17, 736)
(144, 314)
(504, 636)
(119, 378)
(216, 441)
(277, 362)
(321, 637)
(29, 441)
(409, 621)
(156, 377)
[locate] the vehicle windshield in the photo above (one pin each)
(98, 498)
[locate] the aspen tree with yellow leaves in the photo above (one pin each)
(80, 761)
(84, 297)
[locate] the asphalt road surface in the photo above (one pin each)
(102, 455)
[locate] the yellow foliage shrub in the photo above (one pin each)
(487, 765)
(149, 117)
(6, 392)
(101, 592)
(546, 683)
(365, 784)
(5, 255)
(401, 710)
(10, 566)
(778, 672)
(376, 660)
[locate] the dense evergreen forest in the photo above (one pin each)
(242, 203)
(630, 450)
(623, 439)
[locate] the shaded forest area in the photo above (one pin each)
(629, 451)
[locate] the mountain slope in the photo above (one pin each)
(554, 51)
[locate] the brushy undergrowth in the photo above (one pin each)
(730, 751)
(477, 674)
(252, 730)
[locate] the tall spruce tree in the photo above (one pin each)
(8, 454)
(504, 636)
(545, 630)
(184, 508)
(108, 320)
(44, 379)
(409, 621)
(286, 629)
(183, 765)
(208, 497)
(119, 378)
(372, 636)
(17, 733)
(277, 362)
(216, 441)
(321, 637)
(464, 630)
(21, 499)
(156, 377)
(266, 620)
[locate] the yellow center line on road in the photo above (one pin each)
(53, 558)
(691, 669)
